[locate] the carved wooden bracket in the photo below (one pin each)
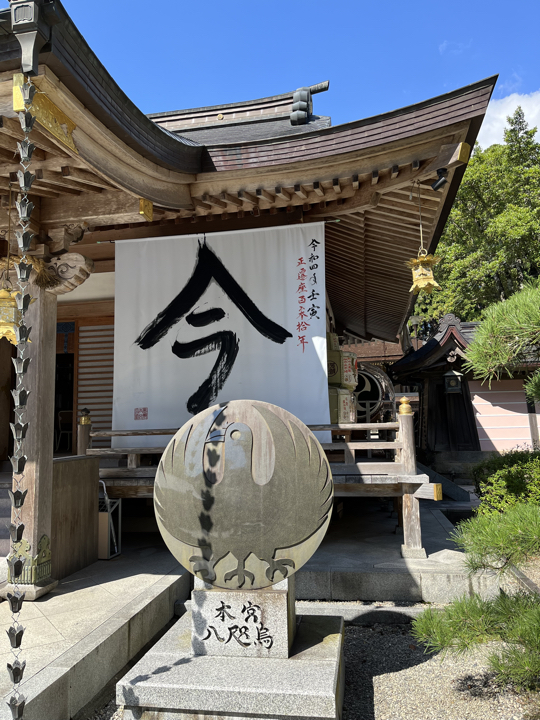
(72, 269)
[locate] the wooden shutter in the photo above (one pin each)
(95, 364)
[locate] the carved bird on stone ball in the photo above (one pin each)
(243, 494)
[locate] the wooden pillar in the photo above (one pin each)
(406, 436)
(38, 447)
(6, 385)
(412, 533)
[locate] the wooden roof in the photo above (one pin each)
(100, 155)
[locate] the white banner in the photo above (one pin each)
(202, 320)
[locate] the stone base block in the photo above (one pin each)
(32, 592)
(413, 553)
(238, 623)
(173, 684)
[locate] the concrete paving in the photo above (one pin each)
(84, 632)
(360, 559)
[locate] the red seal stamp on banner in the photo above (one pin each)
(141, 413)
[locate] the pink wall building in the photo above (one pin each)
(502, 416)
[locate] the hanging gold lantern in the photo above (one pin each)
(422, 266)
(10, 316)
(422, 272)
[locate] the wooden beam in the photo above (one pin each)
(211, 200)
(130, 491)
(395, 172)
(248, 197)
(362, 445)
(265, 195)
(355, 426)
(367, 490)
(133, 231)
(116, 452)
(301, 191)
(200, 205)
(226, 197)
(362, 199)
(415, 165)
(12, 128)
(451, 156)
(119, 473)
(102, 266)
(374, 177)
(429, 491)
(57, 178)
(283, 194)
(74, 311)
(88, 178)
(108, 208)
(35, 190)
(318, 188)
(336, 186)
(355, 182)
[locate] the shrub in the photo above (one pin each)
(504, 480)
(498, 542)
(469, 621)
(493, 542)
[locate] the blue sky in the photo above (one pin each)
(171, 54)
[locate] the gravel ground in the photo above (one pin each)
(107, 712)
(532, 570)
(388, 677)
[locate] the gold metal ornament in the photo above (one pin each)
(422, 272)
(422, 266)
(10, 315)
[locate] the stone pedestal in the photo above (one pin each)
(171, 683)
(238, 623)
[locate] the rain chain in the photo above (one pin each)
(20, 395)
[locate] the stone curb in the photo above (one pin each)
(70, 682)
(525, 582)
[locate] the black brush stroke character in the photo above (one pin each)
(209, 267)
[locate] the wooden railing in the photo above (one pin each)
(404, 462)
(368, 477)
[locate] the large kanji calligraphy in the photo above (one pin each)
(209, 267)
(200, 321)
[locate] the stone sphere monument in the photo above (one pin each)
(243, 495)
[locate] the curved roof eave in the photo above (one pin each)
(72, 60)
(373, 119)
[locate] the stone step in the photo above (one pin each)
(68, 683)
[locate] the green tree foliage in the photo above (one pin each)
(509, 338)
(491, 243)
(505, 480)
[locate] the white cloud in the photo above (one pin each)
(454, 48)
(492, 130)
